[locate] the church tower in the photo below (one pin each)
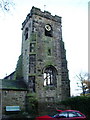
(44, 56)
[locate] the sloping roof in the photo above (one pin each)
(12, 84)
(10, 76)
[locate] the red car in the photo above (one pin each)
(64, 115)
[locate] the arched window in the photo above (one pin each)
(50, 78)
(26, 34)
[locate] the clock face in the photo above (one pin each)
(48, 27)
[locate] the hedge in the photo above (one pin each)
(81, 103)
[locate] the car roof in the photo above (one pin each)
(59, 110)
(70, 110)
(67, 110)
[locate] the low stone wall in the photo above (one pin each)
(13, 98)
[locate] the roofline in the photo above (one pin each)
(14, 89)
(9, 75)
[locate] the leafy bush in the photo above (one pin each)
(32, 104)
(81, 103)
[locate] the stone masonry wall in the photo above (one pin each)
(13, 98)
(40, 51)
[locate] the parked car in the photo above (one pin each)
(64, 115)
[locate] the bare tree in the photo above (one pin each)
(87, 82)
(6, 5)
(83, 82)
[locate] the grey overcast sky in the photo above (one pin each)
(74, 15)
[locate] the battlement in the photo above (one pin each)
(45, 14)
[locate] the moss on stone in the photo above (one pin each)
(32, 102)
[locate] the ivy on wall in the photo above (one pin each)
(32, 104)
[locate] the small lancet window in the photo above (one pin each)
(32, 83)
(49, 52)
(26, 34)
(32, 47)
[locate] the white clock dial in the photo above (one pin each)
(47, 27)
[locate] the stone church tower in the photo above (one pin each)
(44, 56)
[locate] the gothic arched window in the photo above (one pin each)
(50, 78)
(26, 33)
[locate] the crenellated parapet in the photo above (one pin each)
(45, 14)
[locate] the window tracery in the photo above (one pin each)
(50, 78)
